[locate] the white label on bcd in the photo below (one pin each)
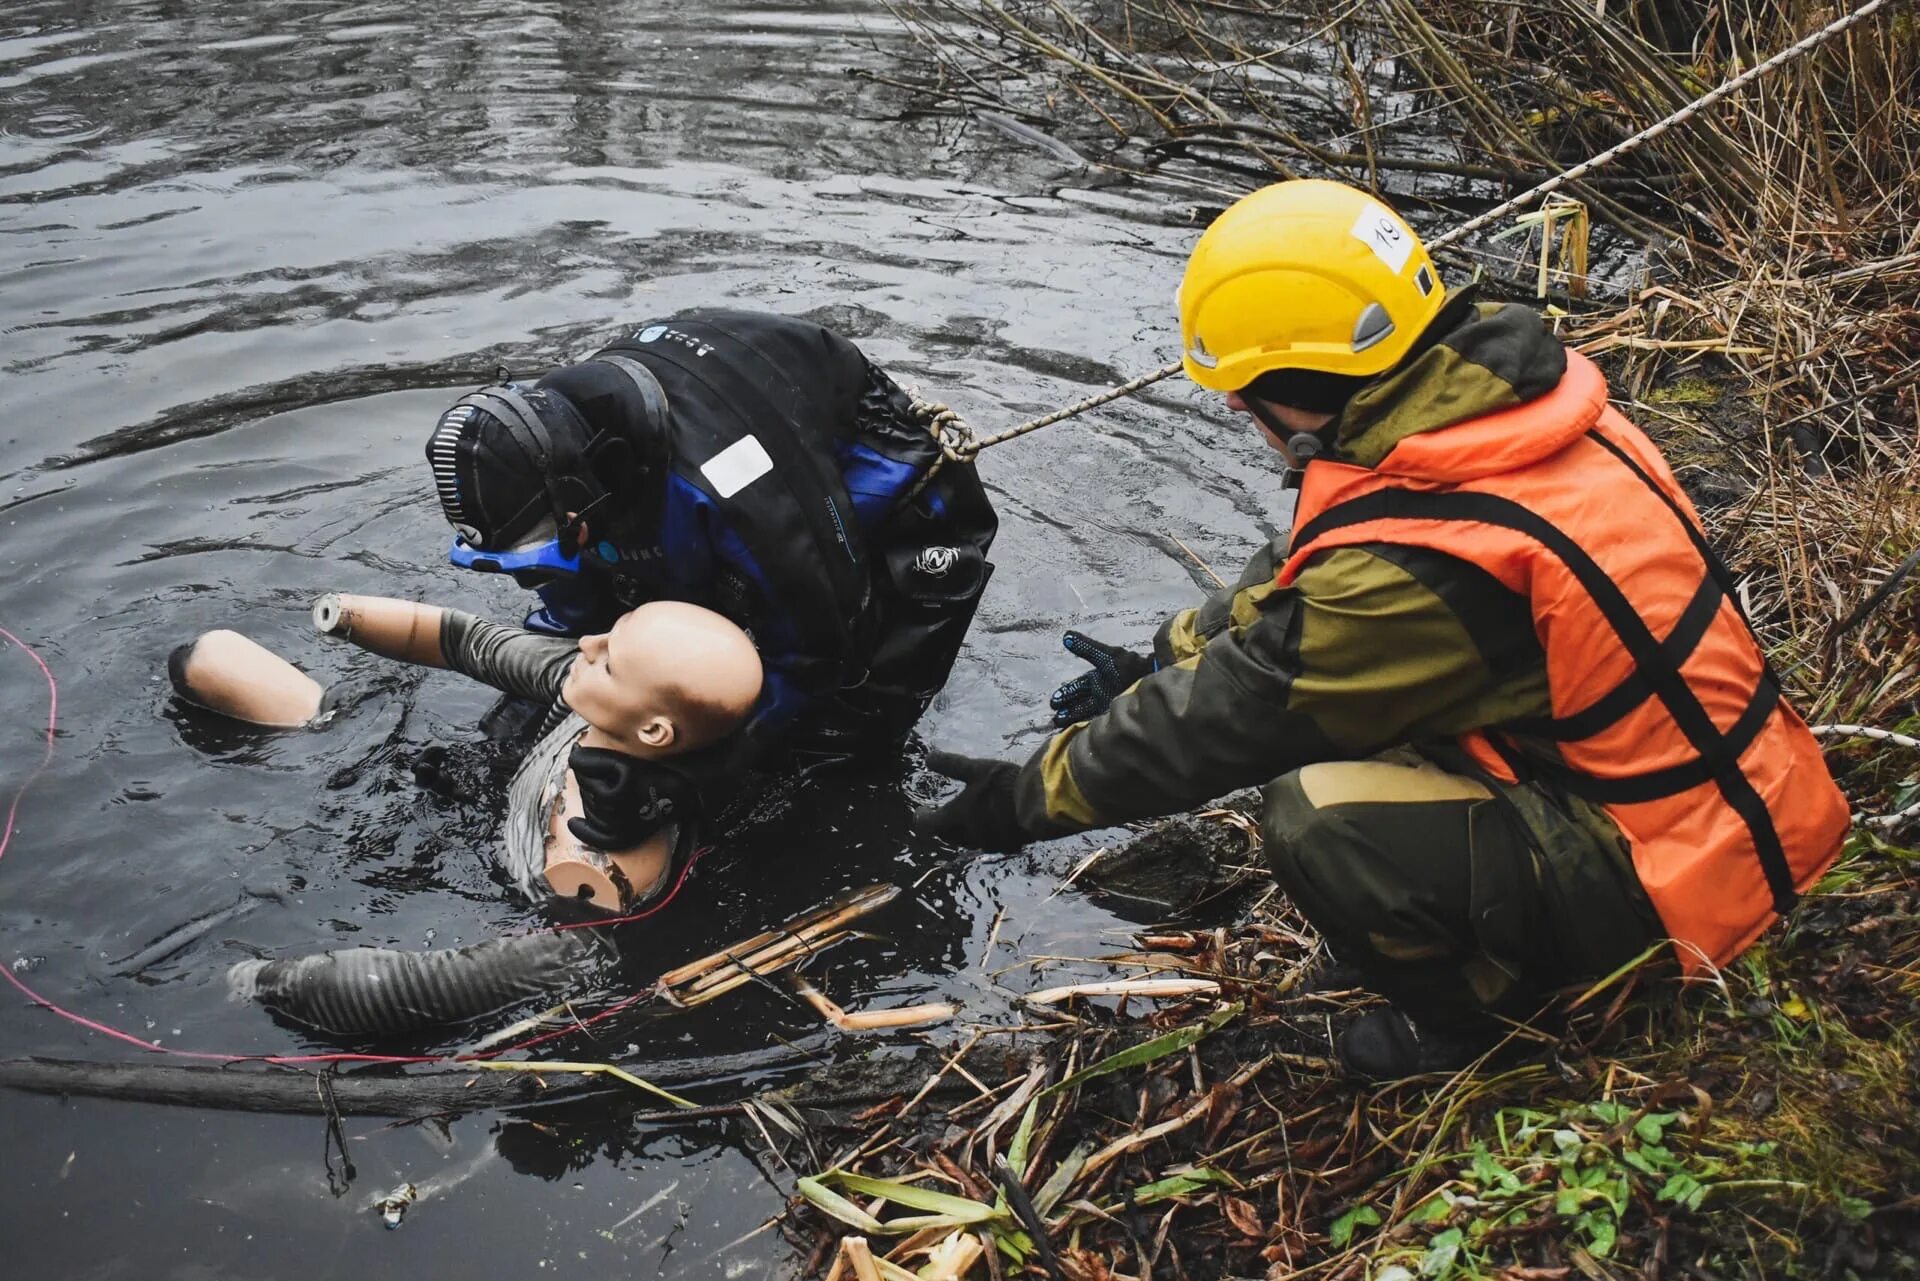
(737, 466)
(1386, 235)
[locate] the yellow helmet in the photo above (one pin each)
(1304, 275)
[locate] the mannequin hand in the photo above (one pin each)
(626, 799)
(982, 816)
(1090, 693)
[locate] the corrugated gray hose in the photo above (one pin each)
(376, 991)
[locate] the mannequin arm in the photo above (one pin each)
(226, 672)
(401, 629)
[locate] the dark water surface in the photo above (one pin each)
(246, 254)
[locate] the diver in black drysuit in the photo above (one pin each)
(751, 463)
(756, 465)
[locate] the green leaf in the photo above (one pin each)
(1856, 1208)
(945, 1204)
(838, 1206)
(1145, 1052)
(1616, 1191)
(1061, 1181)
(1023, 1136)
(915, 1222)
(1683, 1189)
(1183, 1183)
(1013, 1243)
(1431, 1210)
(1652, 1127)
(1490, 1174)
(1441, 1253)
(1342, 1230)
(1650, 1159)
(1608, 1111)
(1602, 1232)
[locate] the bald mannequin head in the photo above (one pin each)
(667, 677)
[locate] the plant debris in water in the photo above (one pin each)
(1763, 1123)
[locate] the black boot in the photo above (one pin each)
(1328, 973)
(1385, 1045)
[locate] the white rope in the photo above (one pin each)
(1883, 821)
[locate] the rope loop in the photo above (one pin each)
(948, 429)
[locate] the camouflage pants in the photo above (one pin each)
(1449, 898)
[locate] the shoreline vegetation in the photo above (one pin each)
(1750, 281)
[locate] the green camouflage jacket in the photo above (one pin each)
(1373, 646)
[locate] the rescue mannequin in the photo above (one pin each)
(597, 811)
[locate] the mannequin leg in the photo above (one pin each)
(225, 672)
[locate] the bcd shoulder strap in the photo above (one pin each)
(780, 497)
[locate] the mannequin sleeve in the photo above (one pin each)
(510, 659)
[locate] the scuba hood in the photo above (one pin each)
(507, 459)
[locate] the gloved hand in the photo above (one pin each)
(1090, 693)
(982, 816)
(625, 799)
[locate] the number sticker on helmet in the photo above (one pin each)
(1380, 231)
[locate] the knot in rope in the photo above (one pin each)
(948, 429)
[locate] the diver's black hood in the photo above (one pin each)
(497, 480)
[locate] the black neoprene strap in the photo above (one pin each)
(652, 395)
(1718, 754)
(523, 424)
(521, 420)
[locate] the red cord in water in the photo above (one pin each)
(6, 972)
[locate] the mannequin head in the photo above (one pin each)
(668, 677)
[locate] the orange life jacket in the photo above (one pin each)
(1665, 712)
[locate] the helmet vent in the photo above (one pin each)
(1204, 358)
(1374, 325)
(1423, 281)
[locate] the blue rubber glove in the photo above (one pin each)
(1090, 693)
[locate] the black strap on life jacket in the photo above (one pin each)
(1718, 753)
(796, 521)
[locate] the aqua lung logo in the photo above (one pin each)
(613, 554)
(658, 333)
(936, 562)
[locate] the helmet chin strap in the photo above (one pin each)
(1304, 446)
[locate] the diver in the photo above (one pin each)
(600, 810)
(753, 464)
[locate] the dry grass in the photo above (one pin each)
(1760, 1124)
(1766, 251)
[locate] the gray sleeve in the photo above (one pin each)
(510, 659)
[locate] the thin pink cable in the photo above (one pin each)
(79, 1020)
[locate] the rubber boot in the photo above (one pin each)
(1386, 1045)
(1328, 973)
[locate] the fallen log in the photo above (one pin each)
(261, 1087)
